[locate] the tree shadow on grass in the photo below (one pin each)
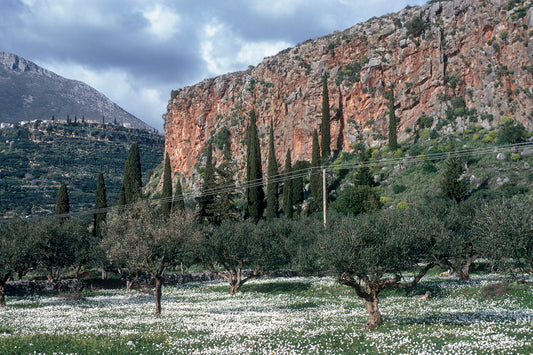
(276, 287)
(463, 318)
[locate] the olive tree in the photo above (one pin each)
(142, 240)
(234, 246)
(507, 231)
(62, 243)
(458, 247)
(372, 252)
(16, 248)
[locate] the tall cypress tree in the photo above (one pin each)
(225, 203)
(254, 173)
(315, 180)
(207, 198)
(62, 205)
(453, 184)
(132, 182)
(297, 183)
(121, 199)
(179, 203)
(272, 183)
(100, 203)
(324, 125)
(393, 120)
(287, 186)
(166, 195)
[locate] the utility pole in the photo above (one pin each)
(324, 193)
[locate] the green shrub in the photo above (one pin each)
(429, 167)
(460, 111)
(491, 137)
(384, 199)
(511, 134)
(506, 120)
(416, 26)
(402, 205)
(424, 134)
(398, 188)
(425, 121)
(398, 153)
(509, 189)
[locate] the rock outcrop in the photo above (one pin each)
(465, 61)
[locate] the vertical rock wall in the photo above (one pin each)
(481, 51)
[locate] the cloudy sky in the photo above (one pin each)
(136, 51)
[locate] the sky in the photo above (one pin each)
(136, 51)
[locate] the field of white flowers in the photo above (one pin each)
(273, 316)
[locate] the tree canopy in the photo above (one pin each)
(141, 240)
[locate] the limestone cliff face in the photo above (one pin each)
(480, 51)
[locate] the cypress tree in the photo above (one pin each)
(179, 203)
(315, 180)
(297, 184)
(100, 203)
(225, 203)
(287, 187)
(132, 182)
(254, 172)
(62, 205)
(393, 143)
(364, 177)
(452, 182)
(324, 125)
(121, 199)
(166, 195)
(273, 186)
(207, 198)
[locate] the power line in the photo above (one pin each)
(307, 172)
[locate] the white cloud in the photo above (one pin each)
(254, 52)
(163, 21)
(276, 8)
(223, 50)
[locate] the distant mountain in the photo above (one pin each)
(29, 92)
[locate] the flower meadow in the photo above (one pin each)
(303, 315)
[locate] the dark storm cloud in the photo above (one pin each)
(144, 49)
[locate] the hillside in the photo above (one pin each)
(35, 159)
(30, 92)
(457, 64)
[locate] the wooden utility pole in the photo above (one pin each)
(324, 193)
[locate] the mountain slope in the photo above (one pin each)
(29, 92)
(460, 63)
(36, 158)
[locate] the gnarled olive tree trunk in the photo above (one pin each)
(234, 277)
(459, 267)
(3, 281)
(374, 314)
(368, 288)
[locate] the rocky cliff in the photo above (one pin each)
(454, 62)
(30, 92)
